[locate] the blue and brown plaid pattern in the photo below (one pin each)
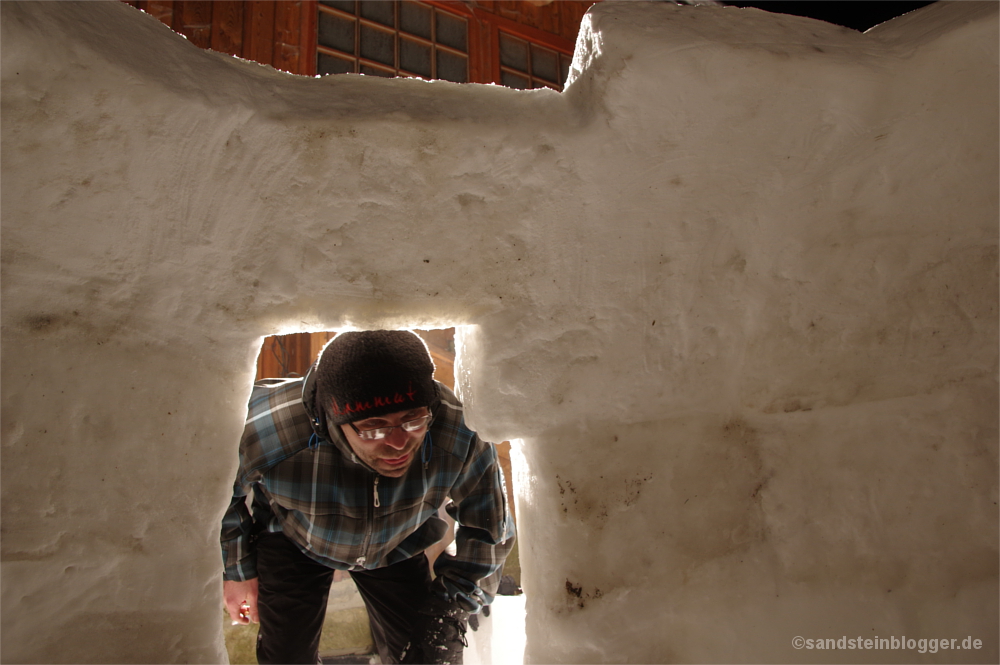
(324, 499)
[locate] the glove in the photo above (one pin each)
(439, 635)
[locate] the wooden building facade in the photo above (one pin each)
(517, 43)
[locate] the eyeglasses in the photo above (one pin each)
(381, 432)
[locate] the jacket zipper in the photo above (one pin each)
(370, 526)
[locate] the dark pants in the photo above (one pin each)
(292, 597)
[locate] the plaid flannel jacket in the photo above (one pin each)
(346, 516)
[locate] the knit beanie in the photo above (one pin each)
(371, 373)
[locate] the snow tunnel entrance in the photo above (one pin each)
(496, 637)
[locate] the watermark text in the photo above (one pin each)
(921, 645)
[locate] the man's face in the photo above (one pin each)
(392, 455)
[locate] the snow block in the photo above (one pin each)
(733, 294)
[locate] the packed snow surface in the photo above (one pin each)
(733, 293)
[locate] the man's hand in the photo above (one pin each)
(439, 636)
(241, 601)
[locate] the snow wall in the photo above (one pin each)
(734, 293)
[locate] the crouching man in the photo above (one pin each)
(348, 468)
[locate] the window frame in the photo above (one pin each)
(398, 34)
(483, 33)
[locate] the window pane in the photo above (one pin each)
(451, 67)
(377, 45)
(378, 11)
(343, 5)
(514, 81)
(544, 64)
(327, 64)
(372, 71)
(336, 32)
(415, 57)
(451, 32)
(415, 19)
(513, 53)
